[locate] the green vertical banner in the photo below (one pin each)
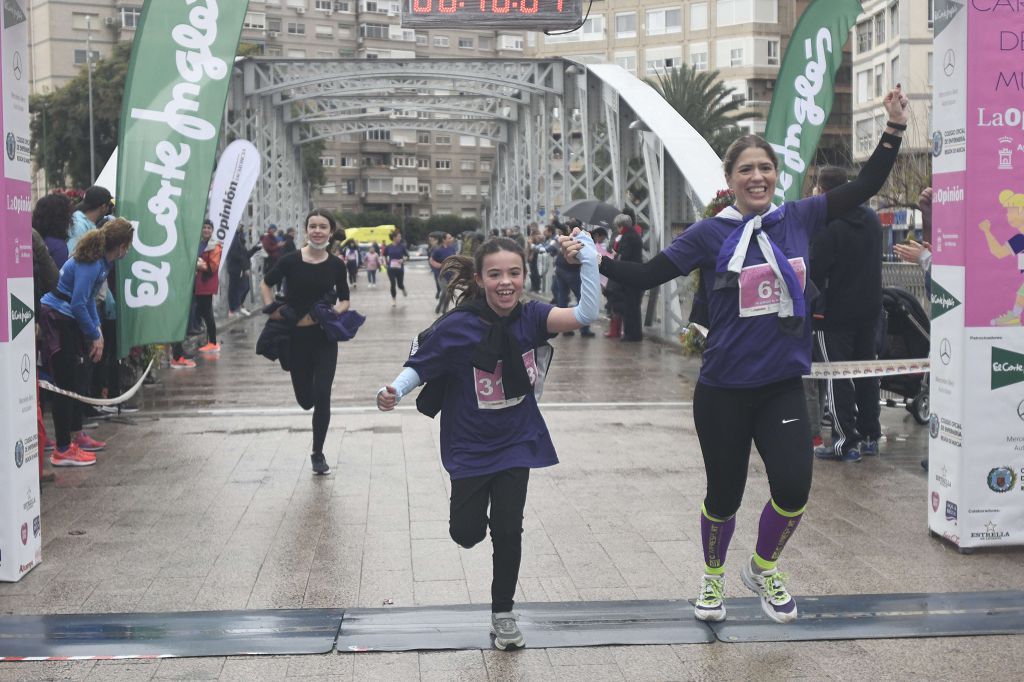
(174, 100)
(804, 89)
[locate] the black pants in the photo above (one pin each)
(238, 287)
(534, 275)
(66, 366)
(107, 374)
(353, 270)
(313, 359)
(632, 321)
(204, 310)
(774, 418)
(505, 491)
(397, 278)
(854, 403)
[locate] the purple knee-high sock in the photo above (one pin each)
(773, 531)
(715, 535)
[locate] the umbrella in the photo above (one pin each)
(592, 212)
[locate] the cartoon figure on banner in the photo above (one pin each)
(1013, 202)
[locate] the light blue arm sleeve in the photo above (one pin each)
(590, 282)
(407, 380)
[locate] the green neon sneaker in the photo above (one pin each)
(770, 586)
(710, 605)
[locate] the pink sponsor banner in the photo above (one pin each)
(994, 216)
(948, 194)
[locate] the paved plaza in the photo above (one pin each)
(206, 502)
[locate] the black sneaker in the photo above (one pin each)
(319, 463)
(568, 333)
(587, 334)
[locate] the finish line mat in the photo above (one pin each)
(168, 635)
(878, 616)
(545, 625)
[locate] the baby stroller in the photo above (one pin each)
(905, 335)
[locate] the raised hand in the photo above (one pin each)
(895, 104)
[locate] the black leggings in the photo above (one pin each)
(774, 417)
(468, 523)
(313, 359)
(396, 276)
(353, 270)
(204, 309)
(66, 366)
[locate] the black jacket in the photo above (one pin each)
(846, 265)
(239, 257)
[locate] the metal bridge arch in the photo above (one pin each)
(561, 130)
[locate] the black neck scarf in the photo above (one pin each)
(500, 344)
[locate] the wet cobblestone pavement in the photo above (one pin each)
(205, 501)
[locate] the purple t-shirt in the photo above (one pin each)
(393, 254)
(744, 352)
(1016, 243)
(482, 432)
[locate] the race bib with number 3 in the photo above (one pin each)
(760, 291)
(490, 393)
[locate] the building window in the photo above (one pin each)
(879, 80)
(483, 43)
(423, 138)
(662, 21)
(467, 141)
(373, 30)
(506, 42)
(627, 60)
(324, 5)
(350, 187)
(257, 21)
(327, 161)
(130, 17)
(931, 15)
(296, 29)
(442, 41)
(863, 86)
(880, 28)
(348, 162)
(274, 24)
(296, 54)
(485, 165)
(894, 20)
(443, 188)
(422, 39)
(732, 12)
(423, 163)
(485, 190)
(658, 60)
(83, 22)
(698, 16)
(736, 56)
(625, 25)
(864, 132)
(80, 57)
(467, 165)
(424, 188)
(699, 56)
(377, 135)
(468, 190)
(443, 139)
(466, 43)
(403, 161)
(772, 49)
(864, 41)
(442, 164)
(379, 185)
(324, 31)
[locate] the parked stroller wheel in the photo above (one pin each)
(920, 407)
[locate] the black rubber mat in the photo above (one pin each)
(199, 633)
(878, 616)
(544, 625)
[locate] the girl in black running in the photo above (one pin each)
(752, 258)
(310, 276)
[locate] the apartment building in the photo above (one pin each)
(402, 171)
(892, 44)
(743, 40)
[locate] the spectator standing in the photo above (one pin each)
(207, 283)
(239, 269)
(630, 249)
(846, 266)
(445, 249)
(52, 219)
(96, 203)
(271, 246)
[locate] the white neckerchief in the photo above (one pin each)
(765, 244)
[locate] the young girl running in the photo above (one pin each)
(487, 358)
(372, 261)
(311, 276)
(752, 258)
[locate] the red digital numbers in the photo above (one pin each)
(422, 6)
(446, 6)
(486, 6)
(528, 6)
(500, 6)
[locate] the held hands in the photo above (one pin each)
(387, 398)
(895, 104)
(578, 247)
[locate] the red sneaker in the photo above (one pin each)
(72, 457)
(210, 348)
(182, 363)
(86, 442)
(817, 442)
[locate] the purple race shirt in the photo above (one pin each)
(745, 346)
(483, 432)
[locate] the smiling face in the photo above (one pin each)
(752, 180)
(501, 277)
(207, 232)
(318, 229)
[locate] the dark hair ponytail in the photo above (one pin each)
(460, 271)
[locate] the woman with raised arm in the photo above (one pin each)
(752, 258)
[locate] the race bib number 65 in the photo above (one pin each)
(760, 291)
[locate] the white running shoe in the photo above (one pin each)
(776, 602)
(506, 631)
(710, 605)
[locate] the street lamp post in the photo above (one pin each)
(88, 67)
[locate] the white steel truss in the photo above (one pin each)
(562, 131)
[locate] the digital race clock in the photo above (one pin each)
(510, 14)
